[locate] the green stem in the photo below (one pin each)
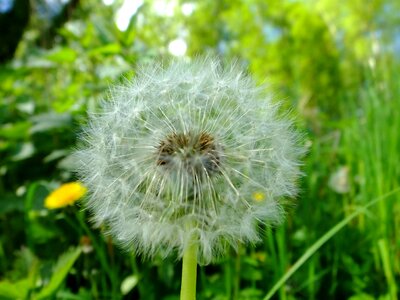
(189, 272)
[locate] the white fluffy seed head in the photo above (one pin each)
(191, 149)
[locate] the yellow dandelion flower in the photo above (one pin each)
(65, 195)
(258, 196)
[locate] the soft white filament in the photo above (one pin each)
(153, 205)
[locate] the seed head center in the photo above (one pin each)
(197, 154)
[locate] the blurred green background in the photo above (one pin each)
(334, 64)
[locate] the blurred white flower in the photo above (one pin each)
(339, 180)
(191, 149)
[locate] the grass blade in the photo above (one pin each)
(321, 241)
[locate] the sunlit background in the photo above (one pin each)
(333, 65)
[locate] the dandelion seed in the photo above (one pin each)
(190, 153)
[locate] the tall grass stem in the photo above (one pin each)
(322, 240)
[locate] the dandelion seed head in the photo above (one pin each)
(191, 148)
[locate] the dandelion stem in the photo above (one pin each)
(189, 272)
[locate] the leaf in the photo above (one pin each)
(83, 294)
(362, 297)
(15, 131)
(11, 202)
(49, 121)
(60, 272)
(250, 293)
(129, 283)
(62, 55)
(56, 154)
(24, 151)
(27, 107)
(107, 49)
(40, 231)
(14, 291)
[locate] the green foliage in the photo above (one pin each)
(63, 266)
(21, 288)
(335, 65)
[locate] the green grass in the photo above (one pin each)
(333, 245)
(325, 238)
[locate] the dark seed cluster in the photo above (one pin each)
(198, 154)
